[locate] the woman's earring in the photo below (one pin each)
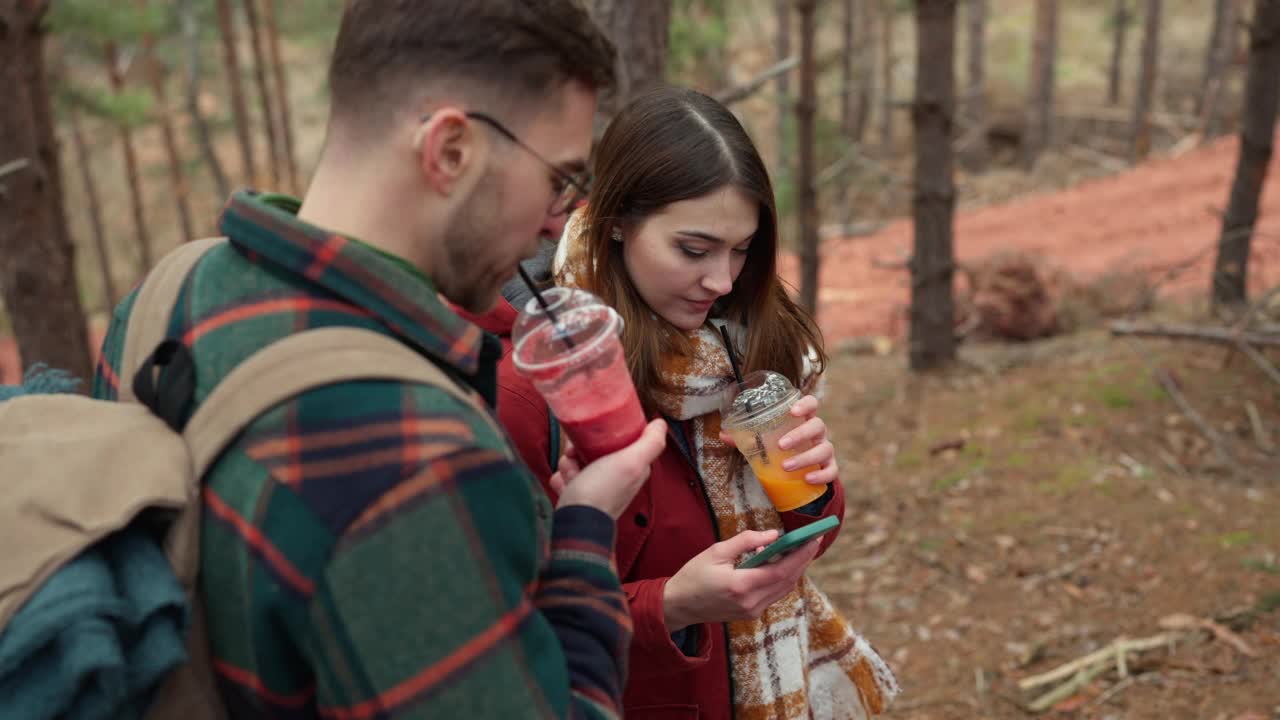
(616, 235)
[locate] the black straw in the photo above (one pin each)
(537, 294)
(737, 373)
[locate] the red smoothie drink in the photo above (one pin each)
(578, 367)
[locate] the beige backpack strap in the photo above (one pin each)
(153, 307)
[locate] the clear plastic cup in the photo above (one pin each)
(757, 415)
(578, 367)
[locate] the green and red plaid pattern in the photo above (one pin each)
(369, 550)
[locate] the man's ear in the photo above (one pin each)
(447, 147)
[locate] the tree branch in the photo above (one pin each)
(737, 93)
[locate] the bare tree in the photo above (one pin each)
(866, 68)
(806, 109)
(37, 259)
(1119, 28)
(974, 155)
(282, 92)
(264, 89)
(886, 75)
(782, 12)
(177, 175)
(1141, 133)
(1040, 96)
(83, 160)
(639, 29)
(1261, 96)
(239, 108)
(848, 111)
(932, 341)
(116, 74)
(191, 35)
(1222, 49)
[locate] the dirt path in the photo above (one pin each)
(1147, 219)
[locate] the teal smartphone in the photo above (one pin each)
(792, 540)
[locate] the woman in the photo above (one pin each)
(680, 236)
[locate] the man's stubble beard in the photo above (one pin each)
(467, 278)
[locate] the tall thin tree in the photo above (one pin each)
(239, 108)
(1141, 131)
(848, 107)
(156, 76)
(1257, 136)
(94, 206)
(190, 19)
(1043, 78)
(1119, 29)
(932, 340)
(282, 92)
(866, 68)
(1212, 44)
(115, 74)
(806, 110)
(639, 29)
(887, 12)
(37, 259)
(1216, 71)
(975, 147)
(266, 106)
(782, 42)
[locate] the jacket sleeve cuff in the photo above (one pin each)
(652, 646)
(834, 507)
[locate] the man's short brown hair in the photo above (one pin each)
(513, 49)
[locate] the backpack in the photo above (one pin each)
(76, 470)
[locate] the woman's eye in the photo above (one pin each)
(690, 252)
(742, 251)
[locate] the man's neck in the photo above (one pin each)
(352, 200)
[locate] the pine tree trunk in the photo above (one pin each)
(866, 68)
(1039, 133)
(848, 111)
(1261, 96)
(886, 76)
(191, 35)
(975, 153)
(37, 259)
(806, 109)
(1216, 74)
(1211, 53)
(1120, 20)
(177, 175)
(1141, 132)
(282, 93)
(145, 253)
(95, 209)
(932, 340)
(782, 13)
(639, 29)
(239, 108)
(264, 90)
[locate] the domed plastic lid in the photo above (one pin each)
(764, 395)
(582, 323)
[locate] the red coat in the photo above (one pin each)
(667, 524)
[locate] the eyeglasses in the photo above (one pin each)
(570, 188)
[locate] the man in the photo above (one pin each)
(368, 549)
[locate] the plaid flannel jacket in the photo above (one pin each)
(368, 549)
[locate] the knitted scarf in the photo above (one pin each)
(800, 658)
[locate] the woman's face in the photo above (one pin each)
(686, 256)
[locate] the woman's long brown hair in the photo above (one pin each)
(674, 144)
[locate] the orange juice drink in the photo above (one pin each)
(757, 415)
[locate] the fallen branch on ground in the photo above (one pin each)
(1115, 651)
(1216, 335)
(1219, 447)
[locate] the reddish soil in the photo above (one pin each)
(1149, 220)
